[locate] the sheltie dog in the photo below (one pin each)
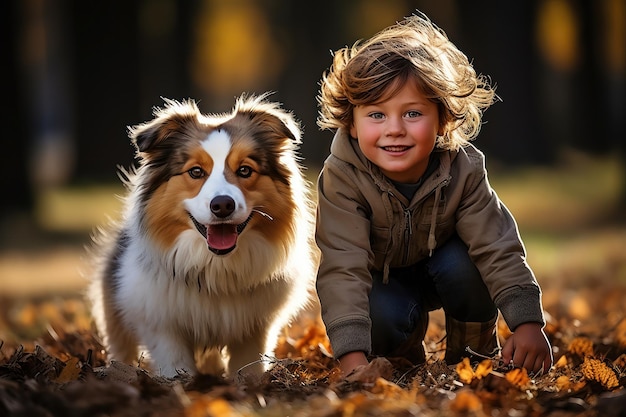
(214, 251)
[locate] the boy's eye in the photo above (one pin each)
(413, 113)
(376, 115)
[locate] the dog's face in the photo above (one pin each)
(222, 175)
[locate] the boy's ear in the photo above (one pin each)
(353, 131)
(442, 128)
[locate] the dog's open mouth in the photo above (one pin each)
(221, 238)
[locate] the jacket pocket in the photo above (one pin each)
(380, 241)
(426, 213)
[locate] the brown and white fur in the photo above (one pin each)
(214, 248)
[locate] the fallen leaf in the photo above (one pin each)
(596, 370)
(391, 391)
(71, 372)
(484, 368)
(377, 368)
(562, 362)
(210, 407)
(465, 371)
(466, 401)
(581, 346)
(518, 377)
(563, 383)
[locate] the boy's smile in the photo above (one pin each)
(399, 133)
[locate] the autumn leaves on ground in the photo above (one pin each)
(52, 365)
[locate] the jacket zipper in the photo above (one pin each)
(408, 231)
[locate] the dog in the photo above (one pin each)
(214, 254)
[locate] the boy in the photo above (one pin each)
(407, 221)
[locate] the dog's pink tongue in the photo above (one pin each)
(221, 236)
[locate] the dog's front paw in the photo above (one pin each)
(171, 359)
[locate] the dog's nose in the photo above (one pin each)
(222, 206)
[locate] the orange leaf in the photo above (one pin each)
(484, 368)
(562, 362)
(581, 346)
(563, 383)
(518, 377)
(465, 371)
(465, 401)
(209, 407)
(390, 390)
(596, 370)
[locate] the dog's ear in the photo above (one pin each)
(271, 114)
(173, 118)
(289, 126)
(293, 128)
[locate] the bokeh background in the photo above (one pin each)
(75, 74)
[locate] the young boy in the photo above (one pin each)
(407, 221)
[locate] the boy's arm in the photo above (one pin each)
(488, 228)
(343, 280)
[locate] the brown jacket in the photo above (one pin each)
(364, 224)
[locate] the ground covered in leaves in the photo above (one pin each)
(52, 365)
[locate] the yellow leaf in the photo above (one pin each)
(351, 404)
(484, 368)
(563, 383)
(210, 407)
(465, 371)
(518, 377)
(465, 401)
(562, 362)
(390, 390)
(581, 346)
(596, 370)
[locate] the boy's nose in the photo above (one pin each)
(394, 126)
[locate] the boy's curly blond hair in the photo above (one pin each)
(416, 50)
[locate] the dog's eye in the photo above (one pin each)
(196, 173)
(244, 171)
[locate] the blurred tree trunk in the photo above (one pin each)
(15, 177)
(603, 81)
(498, 38)
(106, 84)
(313, 28)
(127, 56)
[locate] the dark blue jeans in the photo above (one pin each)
(449, 280)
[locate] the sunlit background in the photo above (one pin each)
(76, 73)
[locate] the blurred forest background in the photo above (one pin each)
(76, 73)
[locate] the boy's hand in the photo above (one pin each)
(528, 348)
(350, 361)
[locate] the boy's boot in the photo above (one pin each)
(413, 348)
(469, 338)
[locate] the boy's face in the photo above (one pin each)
(399, 133)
